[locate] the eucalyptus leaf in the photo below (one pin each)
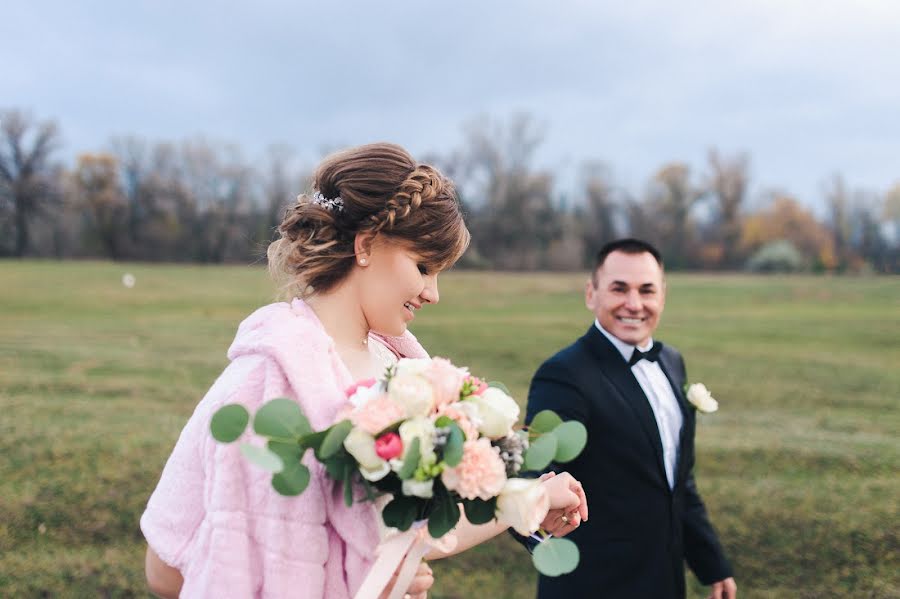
(262, 457)
(444, 514)
(411, 461)
(400, 513)
(288, 452)
(499, 385)
(334, 439)
(229, 422)
(348, 484)
(453, 451)
(293, 480)
(313, 441)
(555, 557)
(281, 418)
(544, 422)
(479, 511)
(571, 437)
(541, 452)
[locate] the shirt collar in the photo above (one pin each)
(624, 348)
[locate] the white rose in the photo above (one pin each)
(413, 393)
(361, 445)
(523, 504)
(419, 488)
(422, 429)
(412, 366)
(497, 412)
(702, 399)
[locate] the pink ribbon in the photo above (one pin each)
(404, 550)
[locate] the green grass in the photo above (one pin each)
(799, 468)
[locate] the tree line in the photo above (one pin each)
(203, 201)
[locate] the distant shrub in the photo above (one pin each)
(777, 256)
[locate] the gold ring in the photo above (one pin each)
(565, 519)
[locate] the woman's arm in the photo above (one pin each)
(164, 580)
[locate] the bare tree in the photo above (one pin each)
(26, 173)
(598, 218)
(672, 196)
(728, 183)
(96, 186)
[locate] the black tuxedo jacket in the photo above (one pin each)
(639, 531)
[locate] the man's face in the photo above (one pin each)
(629, 296)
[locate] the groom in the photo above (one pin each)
(647, 517)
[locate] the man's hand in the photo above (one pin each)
(724, 589)
(568, 504)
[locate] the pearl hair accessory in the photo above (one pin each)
(335, 204)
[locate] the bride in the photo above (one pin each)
(361, 256)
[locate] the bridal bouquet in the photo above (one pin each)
(432, 436)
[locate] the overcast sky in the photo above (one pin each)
(808, 89)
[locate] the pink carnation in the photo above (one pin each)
(481, 473)
(377, 414)
(446, 380)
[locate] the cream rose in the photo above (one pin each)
(413, 392)
(361, 445)
(523, 504)
(422, 429)
(702, 399)
(417, 366)
(497, 412)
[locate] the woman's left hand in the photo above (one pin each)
(568, 504)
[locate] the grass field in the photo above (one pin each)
(799, 467)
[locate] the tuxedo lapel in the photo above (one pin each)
(669, 369)
(615, 368)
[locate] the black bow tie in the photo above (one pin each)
(651, 355)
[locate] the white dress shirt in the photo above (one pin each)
(662, 400)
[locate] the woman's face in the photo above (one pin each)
(394, 285)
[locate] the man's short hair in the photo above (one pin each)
(628, 245)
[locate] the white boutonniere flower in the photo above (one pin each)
(701, 398)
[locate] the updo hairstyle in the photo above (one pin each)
(382, 191)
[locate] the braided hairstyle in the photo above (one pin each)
(384, 191)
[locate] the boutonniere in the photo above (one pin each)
(701, 398)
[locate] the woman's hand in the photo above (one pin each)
(568, 504)
(418, 588)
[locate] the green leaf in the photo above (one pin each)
(453, 451)
(444, 515)
(541, 452)
(411, 461)
(229, 422)
(337, 465)
(290, 453)
(479, 511)
(555, 557)
(544, 422)
(313, 441)
(293, 480)
(262, 457)
(499, 385)
(348, 484)
(400, 513)
(281, 418)
(334, 439)
(571, 437)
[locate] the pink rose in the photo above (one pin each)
(389, 446)
(481, 473)
(446, 379)
(378, 414)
